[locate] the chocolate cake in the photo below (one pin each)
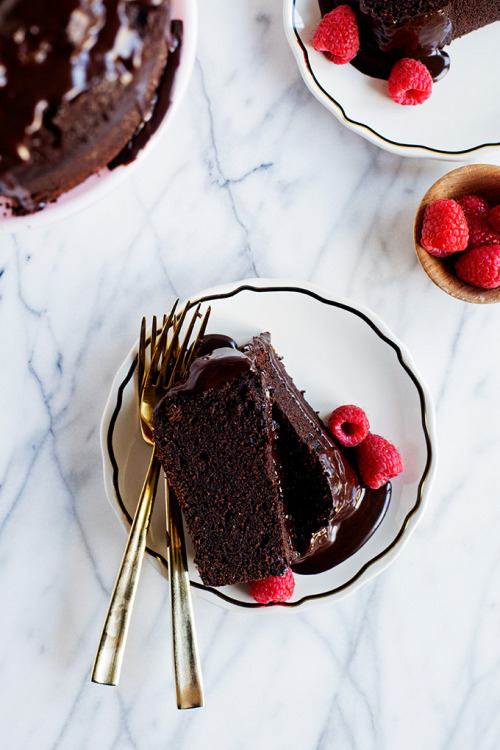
(392, 29)
(78, 81)
(261, 482)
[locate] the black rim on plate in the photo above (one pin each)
(418, 500)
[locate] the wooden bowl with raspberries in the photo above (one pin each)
(457, 233)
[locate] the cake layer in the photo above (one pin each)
(77, 81)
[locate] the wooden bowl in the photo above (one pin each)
(474, 179)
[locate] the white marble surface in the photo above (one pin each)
(254, 179)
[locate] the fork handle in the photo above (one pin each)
(187, 670)
(109, 656)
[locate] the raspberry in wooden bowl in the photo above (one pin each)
(462, 255)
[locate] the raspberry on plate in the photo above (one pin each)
(409, 82)
(480, 267)
(444, 228)
(378, 461)
(337, 35)
(349, 424)
(273, 589)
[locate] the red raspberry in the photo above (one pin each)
(337, 35)
(495, 218)
(444, 229)
(473, 207)
(409, 82)
(349, 424)
(273, 589)
(378, 461)
(480, 266)
(478, 215)
(481, 233)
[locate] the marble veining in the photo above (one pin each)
(255, 178)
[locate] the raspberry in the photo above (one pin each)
(337, 35)
(349, 424)
(409, 82)
(478, 215)
(378, 461)
(481, 233)
(480, 267)
(473, 207)
(495, 218)
(444, 229)
(273, 589)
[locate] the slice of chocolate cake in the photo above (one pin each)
(261, 482)
(392, 29)
(318, 482)
(214, 437)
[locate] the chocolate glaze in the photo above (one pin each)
(210, 370)
(383, 42)
(359, 510)
(212, 341)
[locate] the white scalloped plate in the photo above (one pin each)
(459, 122)
(100, 184)
(339, 353)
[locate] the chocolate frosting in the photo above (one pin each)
(211, 370)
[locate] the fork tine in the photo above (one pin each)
(192, 348)
(173, 343)
(158, 345)
(153, 336)
(141, 358)
(167, 319)
(184, 345)
(155, 358)
(168, 323)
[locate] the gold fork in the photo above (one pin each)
(168, 361)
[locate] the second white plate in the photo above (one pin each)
(458, 122)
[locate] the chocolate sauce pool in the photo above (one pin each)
(347, 531)
(337, 541)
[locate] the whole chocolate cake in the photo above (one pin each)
(78, 81)
(392, 29)
(261, 482)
